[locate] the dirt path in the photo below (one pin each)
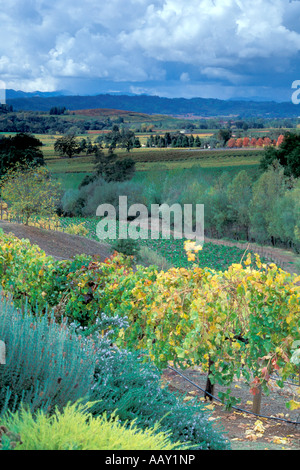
(60, 245)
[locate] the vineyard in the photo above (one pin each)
(239, 323)
(243, 320)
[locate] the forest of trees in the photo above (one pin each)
(37, 123)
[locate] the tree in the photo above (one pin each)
(111, 169)
(197, 142)
(267, 190)
(127, 139)
(280, 140)
(67, 145)
(267, 142)
(224, 135)
(260, 142)
(21, 150)
(30, 192)
(168, 138)
(216, 205)
(231, 143)
(239, 194)
(287, 154)
(246, 142)
(137, 143)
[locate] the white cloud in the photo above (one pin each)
(43, 42)
(184, 77)
(215, 31)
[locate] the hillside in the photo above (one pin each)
(127, 116)
(199, 107)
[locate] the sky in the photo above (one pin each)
(225, 49)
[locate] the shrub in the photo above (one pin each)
(46, 364)
(77, 229)
(33, 277)
(130, 384)
(76, 429)
(127, 247)
(85, 201)
(30, 193)
(103, 287)
(150, 257)
(22, 269)
(8, 439)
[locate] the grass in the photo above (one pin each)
(84, 164)
(69, 180)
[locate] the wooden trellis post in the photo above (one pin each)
(257, 401)
(210, 388)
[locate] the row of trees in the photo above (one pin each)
(24, 151)
(222, 138)
(58, 110)
(69, 145)
(254, 142)
(173, 140)
(265, 210)
(123, 138)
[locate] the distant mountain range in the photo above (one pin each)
(16, 94)
(199, 107)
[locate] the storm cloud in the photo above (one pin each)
(217, 48)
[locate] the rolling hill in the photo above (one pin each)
(200, 107)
